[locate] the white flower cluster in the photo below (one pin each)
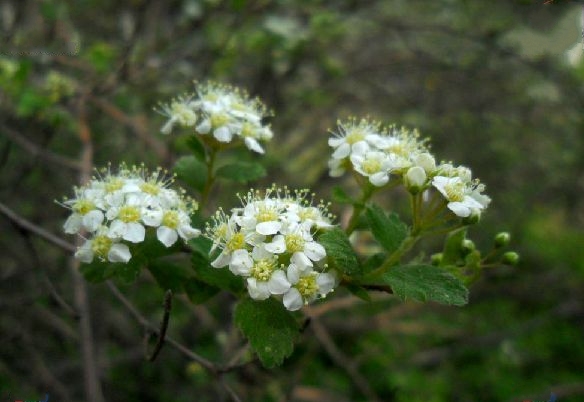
(116, 210)
(271, 242)
(222, 111)
(377, 153)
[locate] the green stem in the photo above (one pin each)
(396, 256)
(210, 162)
(358, 208)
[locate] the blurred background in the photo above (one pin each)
(498, 86)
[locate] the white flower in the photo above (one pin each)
(415, 178)
(122, 207)
(104, 248)
(458, 195)
(306, 287)
(299, 243)
(372, 164)
(350, 133)
(179, 111)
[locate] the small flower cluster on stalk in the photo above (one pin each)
(116, 210)
(271, 242)
(221, 113)
(383, 155)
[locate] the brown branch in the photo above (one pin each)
(341, 360)
(28, 226)
(137, 125)
(149, 326)
(93, 391)
(35, 150)
(163, 325)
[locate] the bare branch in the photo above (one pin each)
(163, 325)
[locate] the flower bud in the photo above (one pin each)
(436, 259)
(467, 246)
(426, 162)
(502, 239)
(415, 179)
(510, 258)
(473, 219)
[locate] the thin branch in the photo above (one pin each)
(341, 360)
(35, 150)
(149, 326)
(37, 230)
(163, 325)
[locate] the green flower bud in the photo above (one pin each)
(472, 220)
(510, 258)
(467, 246)
(502, 239)
(436, 259)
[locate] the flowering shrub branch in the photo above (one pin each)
(281, 249)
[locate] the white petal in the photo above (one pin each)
(204, 127)
(293, 273)
(92, 220)
(342, 151)
(241, 263)
(253, 145)
(416, 176)
(152, 217)
(301, 260)
(459, 209)
(277, 246)
(257, 290)
(73, 224)
(116, 230)
(268, 228)
(379, 179)
(187, 232)
(167, 128)
(222, 260)
(278, 283)
(119, 253)
(134, 232)
(293, 300)
(85, 253)
(166, 235)
(326, 283)
(223, 134)
(314, 251)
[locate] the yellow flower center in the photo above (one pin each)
(399, 148)
(184, 115)
(170, 219)
(219, 120)
(113, 184)
(150, 188)
(247, 130)
(308, 213)
(236, 242)
(82, 207)
(371, 166)
(307, 286)
(294, 243)
(455, 191)
(354, 136)
(129, 213)
(266, 214)
(262, 269)
(101, 246)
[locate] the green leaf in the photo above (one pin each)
(269, 327)
(220, 278)
(340, 253)
(197, 147)
(359, 291)
(426, 283)
(169, 276)
(340, 197)
(98, 271)
(242, 171)
(373, 262)
(453, 251)
(199, 291)
(389, 231)
(129, 272)
(192, 171)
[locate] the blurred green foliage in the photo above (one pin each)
(457, 69)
